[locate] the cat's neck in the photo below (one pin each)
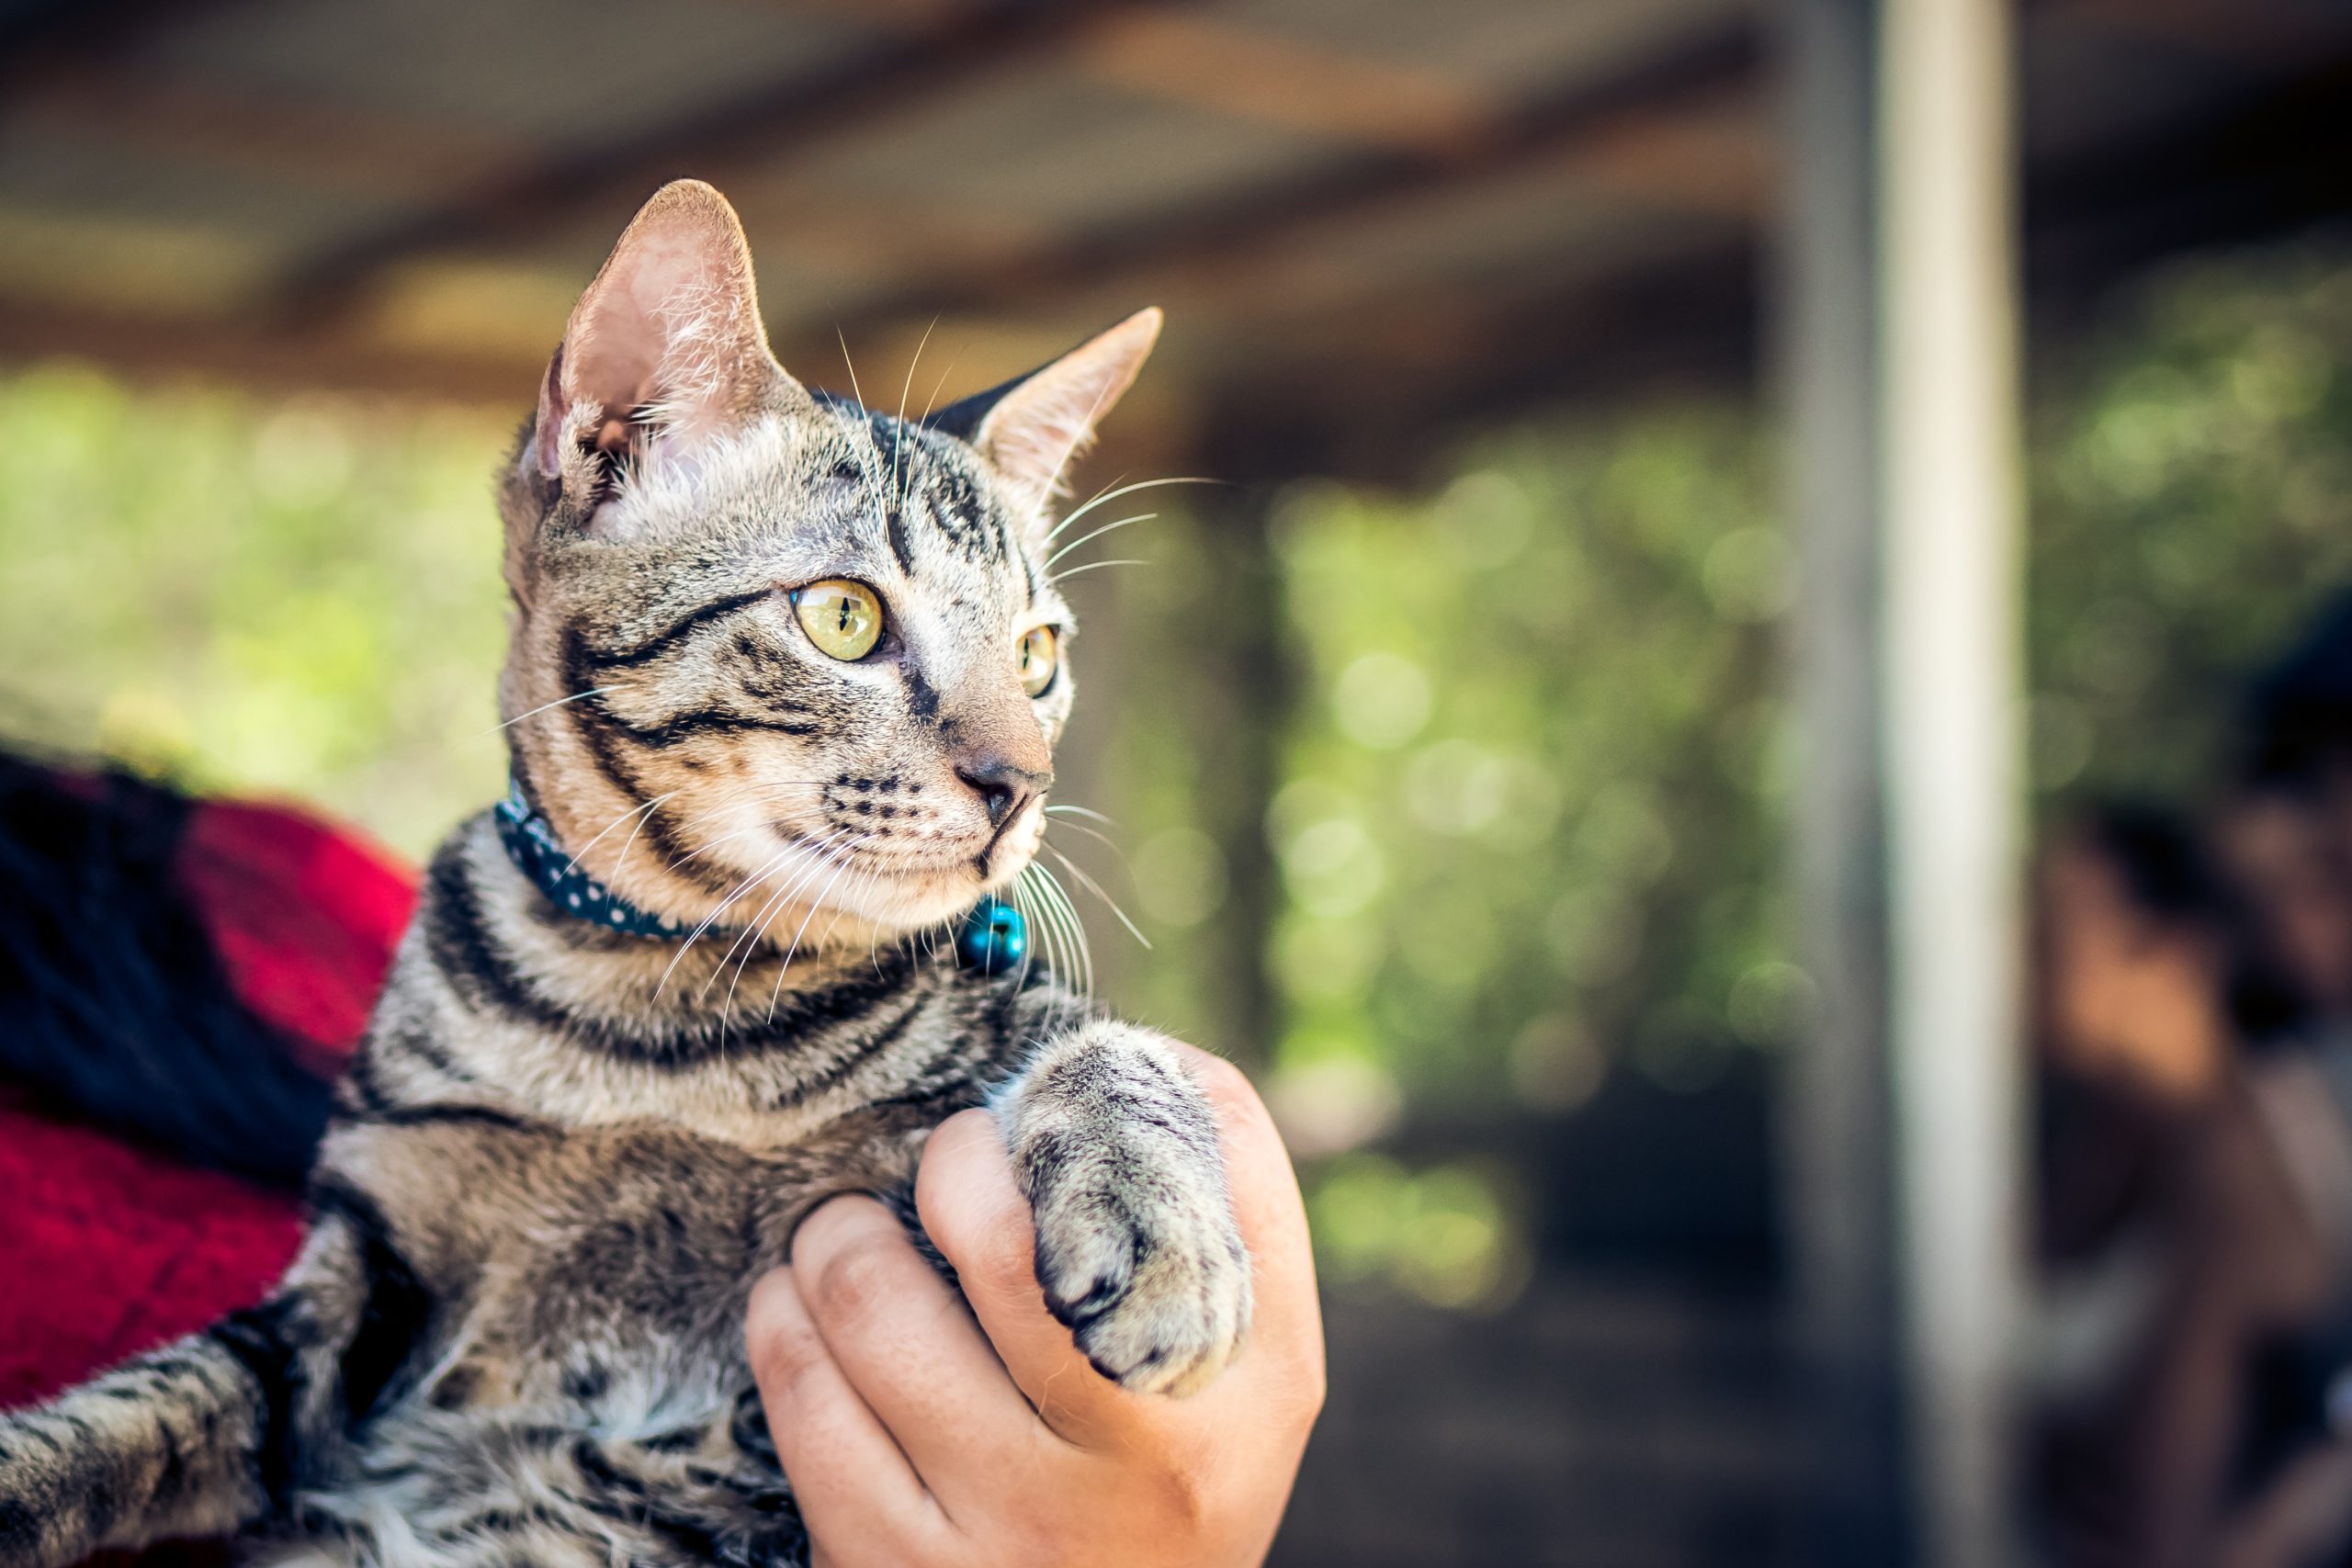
(578, 1023)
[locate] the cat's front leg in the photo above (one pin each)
(205, 1436)
(1115, 1147)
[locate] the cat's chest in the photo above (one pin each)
(561, 1267)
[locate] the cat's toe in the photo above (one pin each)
(1087, 1269)
(1157, 1313)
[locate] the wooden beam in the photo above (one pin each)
(1212, 62)
(2267, 36)
(2281, 160)
(46, 36)
(335, 146)
(1232, 232)
(750, 130)
(1723, 164)
(160, 347)
(1386, 405)
(1248, 74)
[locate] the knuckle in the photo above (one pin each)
(1002, 1249)
(786, 1356)
(781, 1350)
(837, 1223)
(1180, 1503)
(856, 1279)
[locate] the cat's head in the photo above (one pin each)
(777, 655)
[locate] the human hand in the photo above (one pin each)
(914, 1435)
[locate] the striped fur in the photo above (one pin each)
(563, 1154)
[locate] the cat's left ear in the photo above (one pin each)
(1030, 429)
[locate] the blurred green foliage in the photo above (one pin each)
(1444, 1233)
(1529, 748)
(1526, 822)
(1525, 799)
(300, 599)
(2192, 506)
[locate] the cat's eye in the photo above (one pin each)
(1041, 655)
(842, 618)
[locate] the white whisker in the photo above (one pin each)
(782, 970)
(620, 862)
(1093, 565)
(1055, 900)
(708, 845)
(1078, 942)
(576, 696)
(747, 937)
(695, 935)
(1040, 936)
(1085, 538)
(632, 811)
(932, 402)
(849, 366)
(900, 473)
(1115, 494)
(1096, 889)
(757, 932)
(1102, 838)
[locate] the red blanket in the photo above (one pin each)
(107, 1250)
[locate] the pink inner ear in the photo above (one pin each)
(671, 322)
(620, 348)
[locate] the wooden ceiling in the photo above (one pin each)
(1369, 219)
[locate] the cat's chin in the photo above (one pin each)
(887, 906)
(927, 902)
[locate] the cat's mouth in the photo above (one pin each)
(1017, 822)
(990, 856)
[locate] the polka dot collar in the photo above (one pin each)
(530, 843)
(992, 938)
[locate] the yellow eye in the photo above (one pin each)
(842, 618)
(1041, 655)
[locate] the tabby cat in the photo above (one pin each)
(783, 689)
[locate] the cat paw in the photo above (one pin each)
(1153, 1285)
(1115, 1147)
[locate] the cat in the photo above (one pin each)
(782, 691)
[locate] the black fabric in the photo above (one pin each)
(113, 1005)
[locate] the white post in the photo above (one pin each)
(1951, 511)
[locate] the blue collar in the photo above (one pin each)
(530, 844)
(993, 939)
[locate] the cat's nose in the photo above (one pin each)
(1003, 786)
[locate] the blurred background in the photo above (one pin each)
(1747, 741)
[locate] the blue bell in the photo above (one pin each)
(993, 937)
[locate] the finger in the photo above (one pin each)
(857, 1494)
(975, 1213)
(908, 1345)
(1287, 1321)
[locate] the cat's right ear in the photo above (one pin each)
(664, 352)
